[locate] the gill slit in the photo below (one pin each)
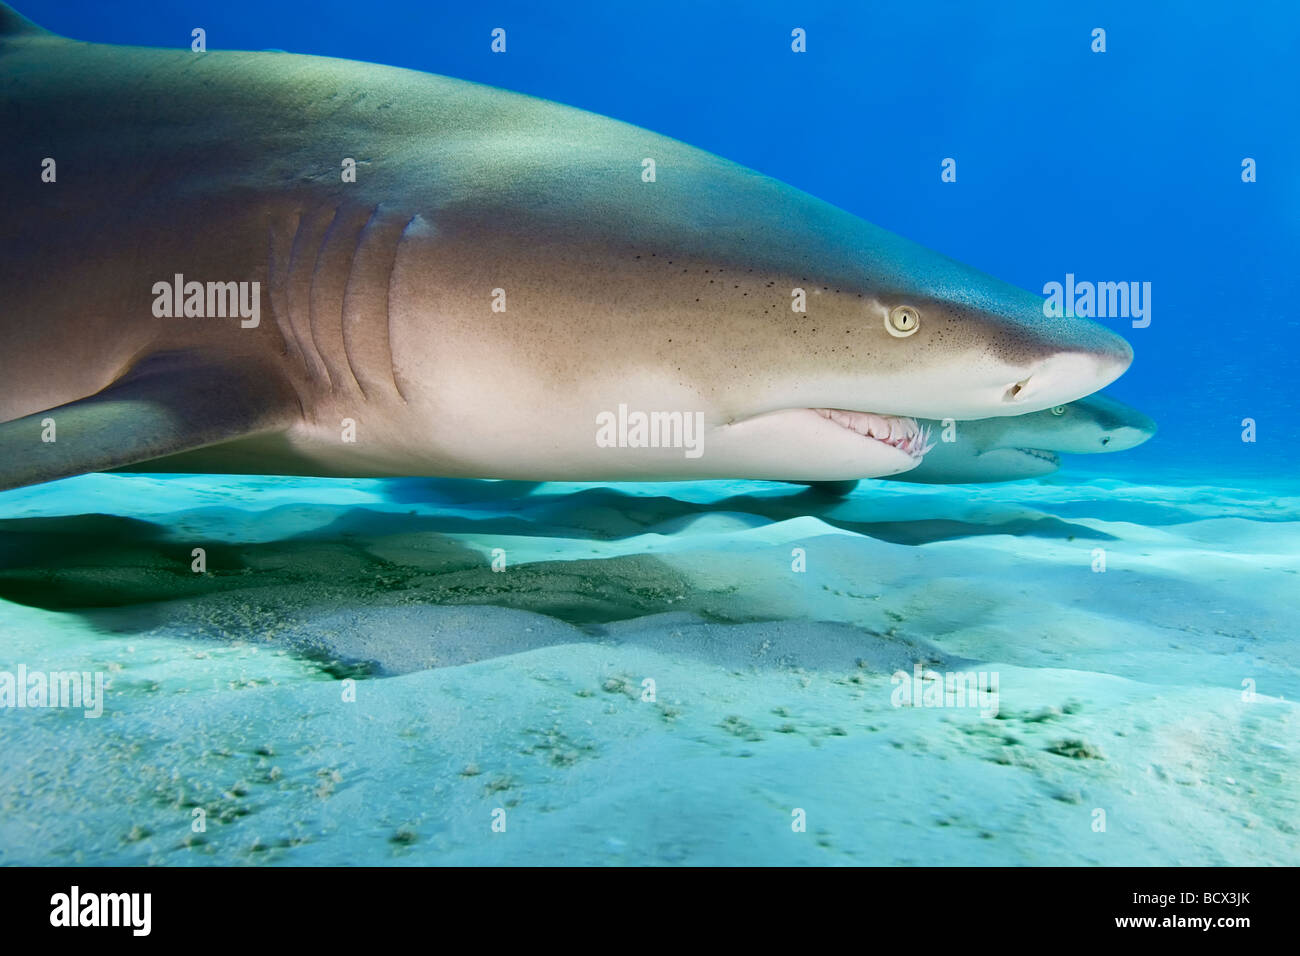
(312, 295)
(347, 291)
(388, 308)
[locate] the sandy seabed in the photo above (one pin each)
(650, 679)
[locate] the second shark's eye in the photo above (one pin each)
(902, 321)
(1058, 410)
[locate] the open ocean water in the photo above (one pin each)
(734, 672)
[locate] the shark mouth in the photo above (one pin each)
(1047, 456)
(901, 433)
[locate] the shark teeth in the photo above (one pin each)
(901, 433)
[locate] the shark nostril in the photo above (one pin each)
(1013, 393)
(1106, 440)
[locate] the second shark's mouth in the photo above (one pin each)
(1047, 456)
(901, 433)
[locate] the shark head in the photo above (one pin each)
(869, 364)
(1029, 446)
(886, 333)
(808, 340)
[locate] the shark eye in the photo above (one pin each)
(1058, 410)
(902, 321)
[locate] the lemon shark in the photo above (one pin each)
(1015, 447)
(1029, 446)
(258, 262)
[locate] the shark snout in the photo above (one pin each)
(1065, 376)
(1129, 428)
(1126, 437)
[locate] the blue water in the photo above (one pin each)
(1122, 690)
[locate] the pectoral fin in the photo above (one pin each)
(170, 403)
